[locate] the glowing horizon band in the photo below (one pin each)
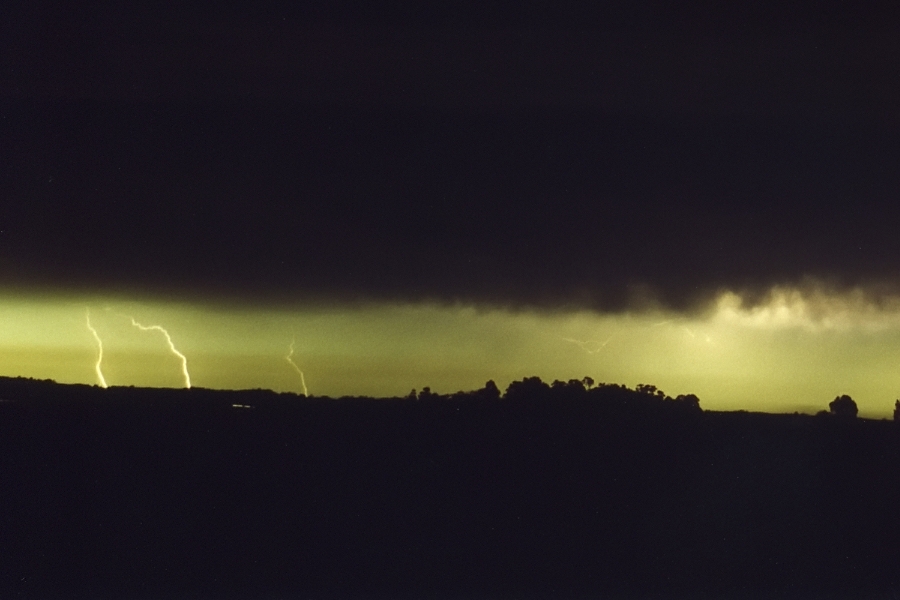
(782, 350)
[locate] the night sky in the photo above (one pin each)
(620, 157)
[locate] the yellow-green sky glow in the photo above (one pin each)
(796, 350)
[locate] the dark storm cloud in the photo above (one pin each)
(310, 156)
(632, 58)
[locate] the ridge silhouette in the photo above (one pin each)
(564, 489)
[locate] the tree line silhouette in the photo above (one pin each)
(647, 395)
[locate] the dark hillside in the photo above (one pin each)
(547, 491)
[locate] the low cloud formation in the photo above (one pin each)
(811, 306)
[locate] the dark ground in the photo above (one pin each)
(545, 492)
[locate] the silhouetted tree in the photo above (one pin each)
(576, 384)
(588, 382)
(650, 390)
(490, 390)
(571, 385)
(530, 387)
(843, 406)
(897, 411)
(689, 401)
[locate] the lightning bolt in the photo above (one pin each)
(184, 369)
(589, 346)
(290, 360)
(100, 378)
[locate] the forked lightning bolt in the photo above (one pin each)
(100, 378)
(296, 368)
(589, 346)
(184, 369)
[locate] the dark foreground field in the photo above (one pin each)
(545, 492)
